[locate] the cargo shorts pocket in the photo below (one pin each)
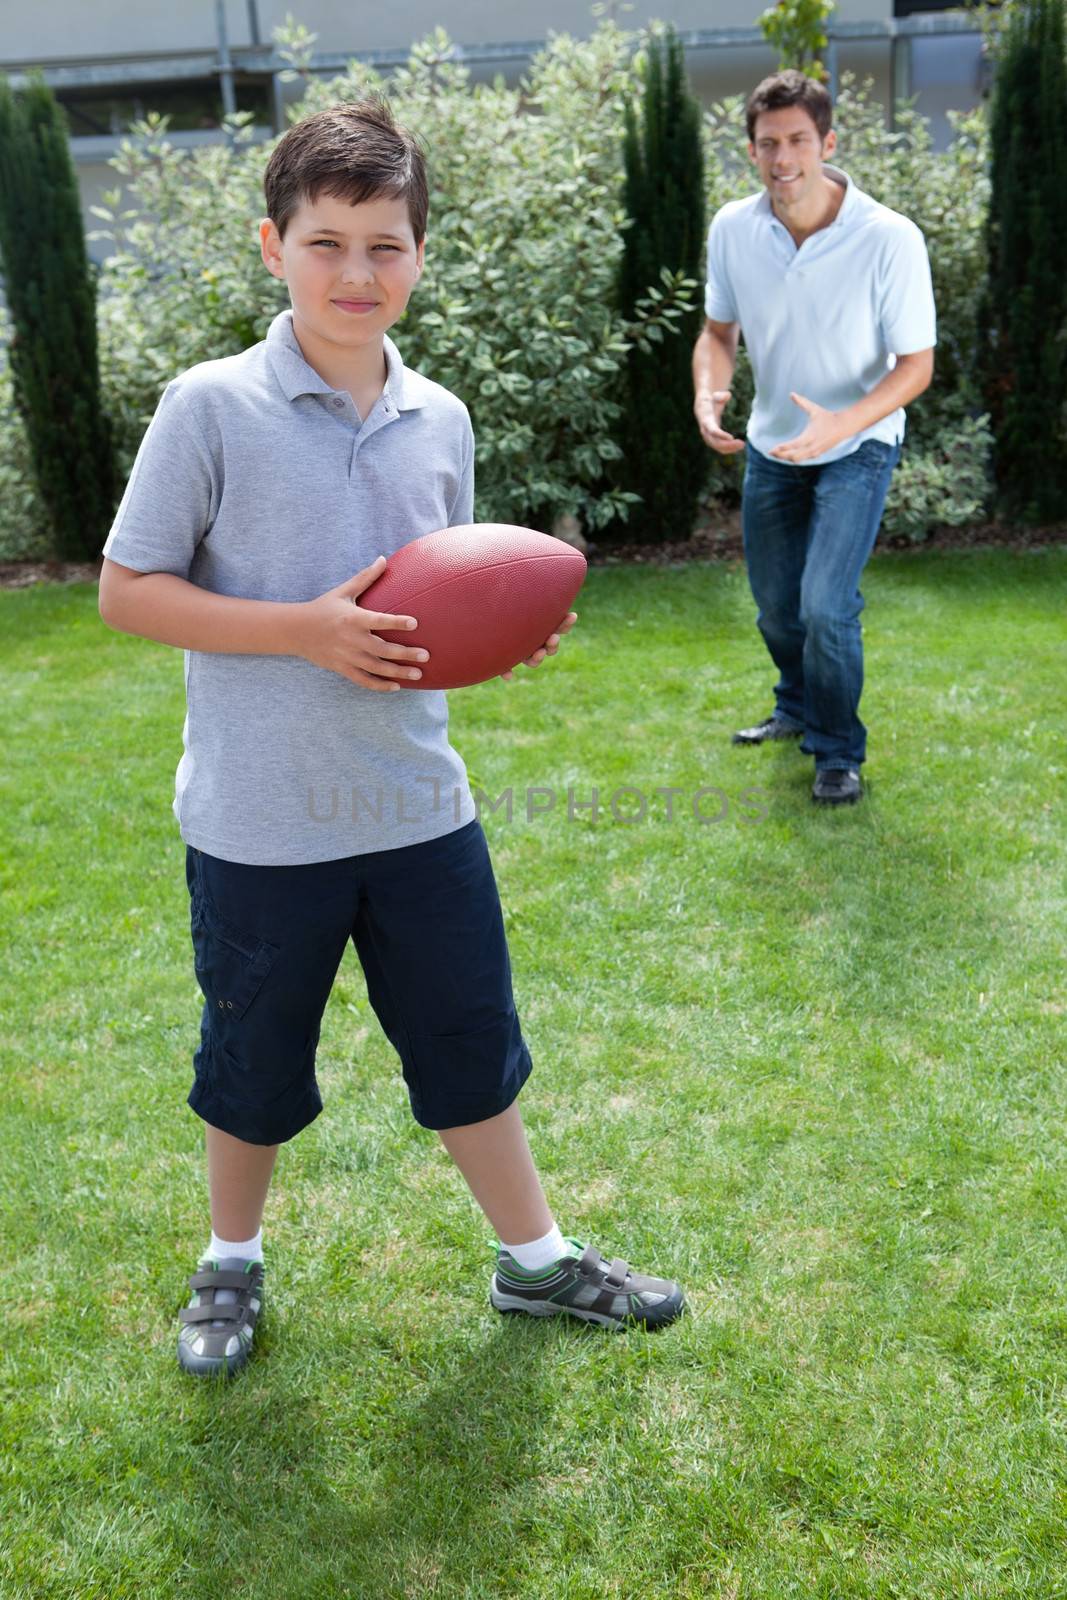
(230, 965)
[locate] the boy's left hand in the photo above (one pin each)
(550, 646)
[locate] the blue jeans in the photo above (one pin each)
(808, 532)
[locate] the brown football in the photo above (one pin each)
(485, 597)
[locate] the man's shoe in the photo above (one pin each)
(774, 727)
(837, 786)
(586, 1285)
(217, 1337)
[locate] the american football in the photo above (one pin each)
(485, 596)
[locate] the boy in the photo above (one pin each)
(316, 802)
(832, 292)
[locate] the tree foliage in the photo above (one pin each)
(797, 30)
(515, 311)
(55, 381)
(1024, 309)
(664, 460)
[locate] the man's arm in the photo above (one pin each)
(714, 358)
(825, 429)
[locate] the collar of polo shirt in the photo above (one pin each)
(845, 210)
(297, 377)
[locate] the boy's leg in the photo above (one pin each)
(430, 936)
(267, 943)
(495, 1159)
(239, 1176)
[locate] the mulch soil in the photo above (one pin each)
(718, 540)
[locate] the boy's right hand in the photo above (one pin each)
(335, 633)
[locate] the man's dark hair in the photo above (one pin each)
(790, 88)
(352, 152)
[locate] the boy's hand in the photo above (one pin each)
(550, 646)
(335, 633)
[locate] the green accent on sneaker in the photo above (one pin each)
(540, 1274)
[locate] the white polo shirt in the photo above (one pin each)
(826, 319)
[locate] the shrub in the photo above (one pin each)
(664, 459)
(1024, 312)
(25, 532)
(796, 29)
(515, 309)
(52, 301)
(186, 283)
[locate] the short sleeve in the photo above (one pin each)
(462, 512)
(719, 302)
(907, 316)
(172, 496)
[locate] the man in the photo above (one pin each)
(832, 293)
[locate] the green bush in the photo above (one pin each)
(186, 283)
(25, 534)
(51, 298)
(943, 476)
(1024, 311)
(663, 458)
(515, 308)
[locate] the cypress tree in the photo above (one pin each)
(1024, 310)
(52, 302)
(664, 459)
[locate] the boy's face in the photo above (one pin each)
(350, 269)
(789, 153)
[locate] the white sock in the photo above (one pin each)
(245, 1249)
(538, 1253)
(242, 1250)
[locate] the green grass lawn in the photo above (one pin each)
(810, 1062)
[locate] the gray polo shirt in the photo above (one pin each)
(256, 479)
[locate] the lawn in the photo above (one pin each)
(810, 1062)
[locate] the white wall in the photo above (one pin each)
(71, 29)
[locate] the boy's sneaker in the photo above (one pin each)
(586, 1284)
(217, 1337)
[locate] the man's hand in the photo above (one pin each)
(335, 633)
(708, 410)
(823, 431)
(550, 646)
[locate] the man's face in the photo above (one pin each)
(789, 154)
(350, 269)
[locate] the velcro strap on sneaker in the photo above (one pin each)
(230, 1279)
(616, 1273)
(589, 1261)
(233, 1311)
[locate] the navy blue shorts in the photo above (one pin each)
(426, 923)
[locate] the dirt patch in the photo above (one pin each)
(720, 540)
(24, 574)
(717, 540)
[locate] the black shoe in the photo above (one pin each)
(837, 786)
(775, 727)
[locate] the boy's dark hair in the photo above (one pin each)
(790, 88)
(353, 152)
